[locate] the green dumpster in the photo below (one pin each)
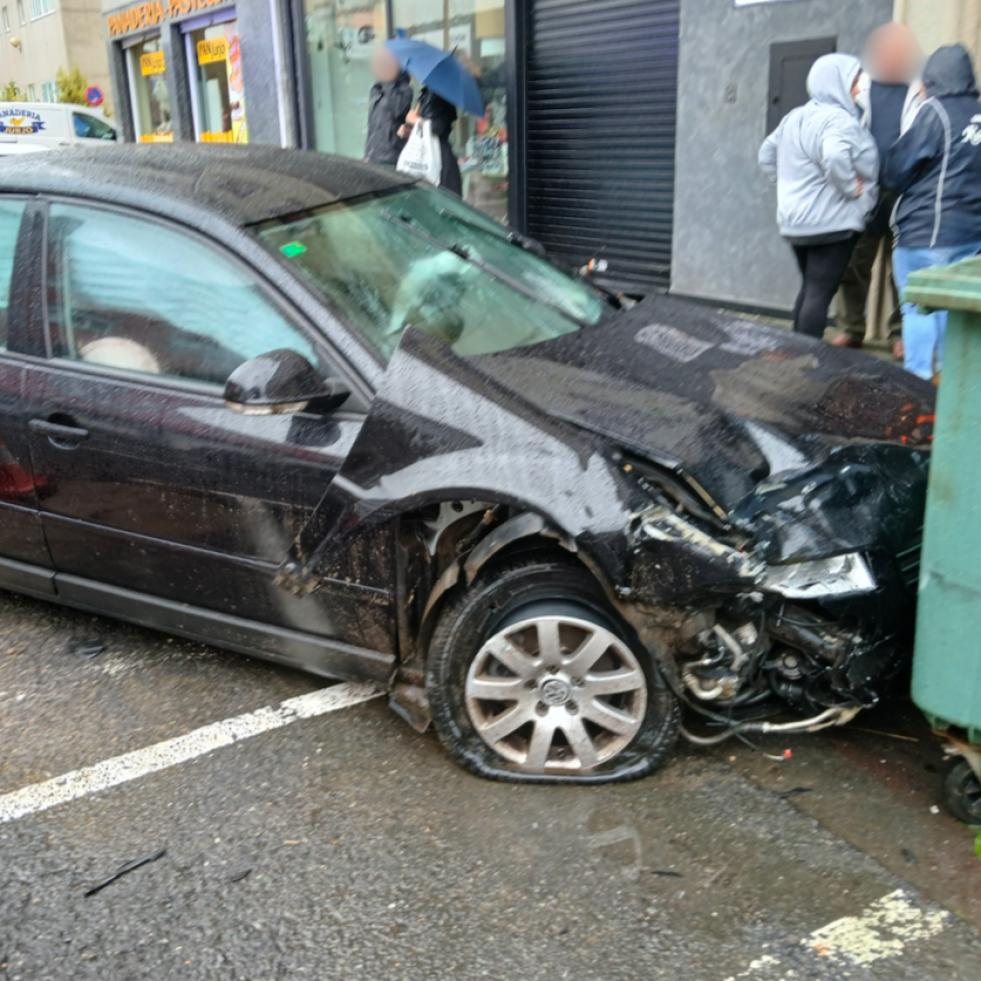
(947, 659)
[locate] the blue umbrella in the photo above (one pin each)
(440, 72)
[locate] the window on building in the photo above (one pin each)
(6, 18)
(341, 37)
(49, 91)
(41, 8)
(20, 11)
(146, 63)
(218, 92)
(32, 92)
(474, 31)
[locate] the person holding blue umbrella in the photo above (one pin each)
(447, 85)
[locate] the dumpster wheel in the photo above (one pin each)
(962, 790)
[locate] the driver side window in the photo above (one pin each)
(128, 293)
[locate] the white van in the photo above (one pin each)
(54, 124)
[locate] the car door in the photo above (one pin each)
(25, 563)
(155, 486)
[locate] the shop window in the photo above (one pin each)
(41, 8)
(215, 56)
(474, 31)
(341, 36)
(149, 92)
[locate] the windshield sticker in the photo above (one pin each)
(672, 343)
(20, 122)
(291, 249)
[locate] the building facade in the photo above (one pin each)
(624, 131)
(37, 37)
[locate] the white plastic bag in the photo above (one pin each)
(421, 157)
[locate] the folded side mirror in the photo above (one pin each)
(280, 382)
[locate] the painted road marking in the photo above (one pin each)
(882, 930)
(132, 766)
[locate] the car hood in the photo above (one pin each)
(814, 451)
(729, 403)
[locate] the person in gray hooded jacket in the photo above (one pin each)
(826, 165)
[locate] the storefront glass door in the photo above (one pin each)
(148, 92)
(341, 36)
(217, 90)
(474, 30)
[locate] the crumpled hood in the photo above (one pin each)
(950, 72)
(728, 402)
(831, 79)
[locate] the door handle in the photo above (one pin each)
(66, 437)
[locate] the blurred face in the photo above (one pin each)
(385, 66)
(893, 55)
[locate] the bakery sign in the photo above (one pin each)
(152, 13)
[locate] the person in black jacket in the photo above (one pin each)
(889, 98)
(936, 167)
(441, 115)
(389, 104)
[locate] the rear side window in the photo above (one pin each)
(91, 127)
(11, 213)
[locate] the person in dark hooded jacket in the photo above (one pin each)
(388, 105)
(936, 167)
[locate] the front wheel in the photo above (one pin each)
(532, 676)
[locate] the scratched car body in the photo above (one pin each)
(307, 410)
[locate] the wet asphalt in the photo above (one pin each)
(348, 846)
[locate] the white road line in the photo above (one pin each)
(882, 930)
(132, 766)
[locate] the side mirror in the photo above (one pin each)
(281, 382)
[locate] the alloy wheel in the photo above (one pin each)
(556, 694)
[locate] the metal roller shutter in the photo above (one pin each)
(602, 79)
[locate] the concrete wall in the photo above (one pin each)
(726, 244)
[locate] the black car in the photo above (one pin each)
(306, 409)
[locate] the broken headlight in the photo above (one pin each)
(839, 576)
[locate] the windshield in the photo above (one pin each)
(421, 257)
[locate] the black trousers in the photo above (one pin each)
(823, 268)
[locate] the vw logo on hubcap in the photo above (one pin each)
(555, 691)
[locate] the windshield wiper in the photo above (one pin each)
(516, 239)
(403, 221)
(535, 247)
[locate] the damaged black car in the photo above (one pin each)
(309, 410)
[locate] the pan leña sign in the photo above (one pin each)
(153, 12)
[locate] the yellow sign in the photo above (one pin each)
(157, 138)
(153, 12)
(228, 137)
(212, 49)
(152, 63)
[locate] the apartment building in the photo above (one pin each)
(37, 37)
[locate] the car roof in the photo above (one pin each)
(242, 184)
